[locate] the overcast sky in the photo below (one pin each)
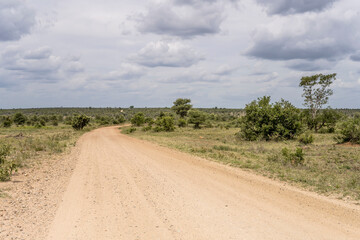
(222, 53)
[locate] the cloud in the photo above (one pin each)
(287, 7)
(16, 19)
(309, 38)
(308, 66)
(37, 65)
(167, 54)
(355, 57)
(182, 18)
(126, 71)
(224, 70)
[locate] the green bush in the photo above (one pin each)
(165, 123)
(138, 119)
(19, 119)
(6, 167)
(182, 122)
(287, 157)
(349, 130)
(265, 121)
(80, 121)
(324, 122)
(306, 138)
(7, 122)
(130, 130)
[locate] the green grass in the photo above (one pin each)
(29, 145)
(329, 168)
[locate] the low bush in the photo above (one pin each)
(6, 167)
(349, 130)
(80, 121)
(306, 138)
(165, 123)
(138, 119)
(130, 130)
(182, 122)
(288, 157)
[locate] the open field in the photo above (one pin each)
(28, 145)
(329, 168)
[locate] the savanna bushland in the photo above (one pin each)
(315, 147)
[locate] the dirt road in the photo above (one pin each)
(124, 188)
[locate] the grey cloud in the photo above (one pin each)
(287, 7)
(16, 19)
(355, 57)
(225, 70)
(37, 65)
(167, 54)
(182, 18)
(319, 38)
(308, 66)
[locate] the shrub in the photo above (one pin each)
(138, 119)
(306, 138)
(286, 156)
(130, 130)
(19, 119)
(165, 123)
(80, 121)
(196, 117)
(6, 167)
(324, 122)
(182, 122)
(349, 130)
(7, 123)
(265, 121)
(147, 128)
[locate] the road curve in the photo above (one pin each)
(125, 188)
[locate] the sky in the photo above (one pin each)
(223, 53)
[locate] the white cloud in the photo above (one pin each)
(167, 54)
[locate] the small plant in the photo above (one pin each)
(79, 122)
(146, 128)
(6, 167)
(286, 156)
(295, 158)
(130, 130)
(306, 138)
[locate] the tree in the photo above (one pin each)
(196, 117)
(80, 121)
(265, 121)
(182, 106)
(316, 92)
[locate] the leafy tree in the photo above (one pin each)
(270, 121)
(196, 117)
(182, 106)
(19, 119)
(80, 121)
(316, 92)
(138, 119)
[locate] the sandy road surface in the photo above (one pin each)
(124, 188)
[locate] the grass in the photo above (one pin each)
(30, 144)
(328, 168)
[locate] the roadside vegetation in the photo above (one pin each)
(317, 147)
